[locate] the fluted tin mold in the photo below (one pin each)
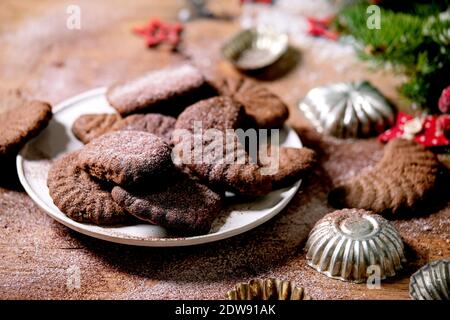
(255, 48)
(431, 282)
(267, 289)
(353, 244)
(348, 110)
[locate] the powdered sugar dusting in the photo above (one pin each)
(162, 82)
(46, 249)
(37, 251)
(291, 17)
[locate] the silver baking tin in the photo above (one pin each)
(353, 244)
(431, 282)
(255, 48)
(267, 289)
(348, 110)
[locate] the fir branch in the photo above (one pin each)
(414, 44)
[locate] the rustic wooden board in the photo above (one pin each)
(39, 257)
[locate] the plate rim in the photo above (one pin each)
(138, 241)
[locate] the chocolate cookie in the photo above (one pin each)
(81, 197)
(402, 181)
(19, 125)
(181, 204)
(226, 167)
(293, 164)
(219, 113)
(265, 108)
(157, 124)
(167, 91)
(90, 126)
(126, 157)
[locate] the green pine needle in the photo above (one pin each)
(415, 44)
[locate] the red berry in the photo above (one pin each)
(444, 101)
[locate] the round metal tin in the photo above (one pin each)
(268, 289)
(348, 110)
(255, 48)
(352, 244)
(431, 282)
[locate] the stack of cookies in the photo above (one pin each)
(141, 162)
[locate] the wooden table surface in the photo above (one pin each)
(40, 58)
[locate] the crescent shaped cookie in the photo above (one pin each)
(229, 167)
(219, 170)
(293, 164)
(81, 197)
(265, 108)
(405, 177)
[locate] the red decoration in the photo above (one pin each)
(444, 124)
(257, 1)
(426, 130)
(319, 28)
(157, 31)
(444, 101)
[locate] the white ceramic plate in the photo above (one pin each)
(35, 158)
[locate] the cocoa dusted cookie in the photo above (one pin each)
(126, 157)
(157, 124)
(81, 197)
(265, 108)
(290, 165)
(19, 125)
(180, 204)
(224, 164)
(219, 113)
(90, 126)
(167, 91)
(223, 167)
(402, 181)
